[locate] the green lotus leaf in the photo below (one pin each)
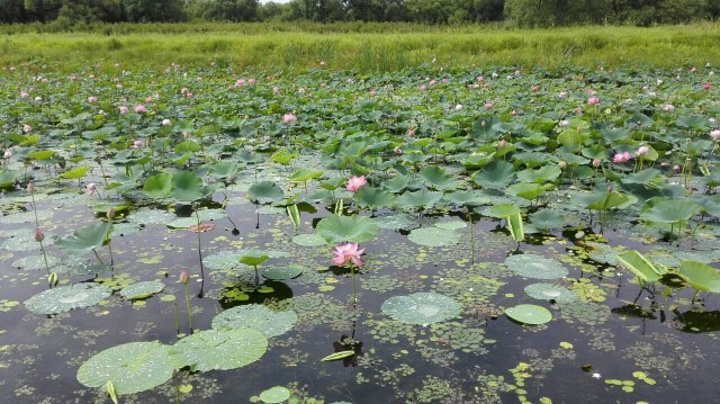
(219, 349)
(527, 190)
(700, 276)
(304, 175)
(434, 237)
(536, 266)
(76, 173)
(8, 178)
(223, 169)
(275, 395)
(529, 314)
(396, 184)
(668, 211)
(503, 210)
(419, 199)
(258, 317)
(640, 266)
(549, 291)
(188, 187)
(421, 308)
(463, 198)
(608, 200)
(265, 192)
(142, 290)
(253, 257)
(282, 273)
(437, 178)
(451, 225)
(546, 173)
(496, 175)
(354, 229)
(131, 367)
(66, 298)
(158, 186)
(547, 219)
(205, 215)
(86, 239)
(373, 198)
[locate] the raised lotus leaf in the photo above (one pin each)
(536, 266)
(66, 298)
(275, 395)
(131, 367)
(280, 273)
(258, 317)
(219, 349)
(86, 239)
(421, 308)
(355, 229)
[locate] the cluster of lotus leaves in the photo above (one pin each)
(421, 308)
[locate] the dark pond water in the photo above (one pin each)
(480, 356)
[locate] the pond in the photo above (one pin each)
(424, 237)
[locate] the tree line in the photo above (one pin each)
(525, 13)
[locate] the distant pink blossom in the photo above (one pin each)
(289, 117)
(27, 128)
(140, 108)
(166, 122)
(489, 105)
(373, 92)
(706, 86)
(431, 83)
(668, 108)
(136, 144)
(411, 132)
(479, 78)
(534, 88)
(123, 110)
(621, 157)
(90, 188)
(422, 88)
(148, 99)
(593, 100)
(596, 163)
(715, 135)
(92, 98)
(642, 150)
(355, 183)
(24, 94)
(345, 253)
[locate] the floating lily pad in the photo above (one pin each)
(434, 237)
(421, 308)
(275, 395)
(529, 314)
(205, 215)
(147, 216)
(265, 192)
(219, 349)
(309, 240)
(25, 241)
(536, 266)
(36, 262)
(142, 290)
(355, 229)
(26, 217)
(280, 273)
(66, 298)
(258, 317)
(451, 225)
(131, 367)
(222, 260)
(548, 291)
(395, 222)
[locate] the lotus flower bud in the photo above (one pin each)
(562, 164)
(30, 187)
(596, 163)
(184, 277)
(110, 213)
(39, 236)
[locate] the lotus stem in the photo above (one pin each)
(102, 171)
(187, 304)
(352, 276)
(47, 266)
(257, 276)
(98, 257)
(202, 267)
(177, 319)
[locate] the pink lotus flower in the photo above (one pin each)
(166, 122)
(593, 100)
(489, 105)
(411, 132)
(90, 188)
(621, 157)
(706, 86)
(123, 110)
(39, 236)
(715, 135)
(24, 94)
(345, 253)
(92, 98)
(479, 78)
(184, 277)
(136, 144)
(642, 150)
(596, 163)
(668, 108)
(27, 128)
(373, 92)
(422, 88)
(289, 117)
(140, 108)
(534, 88)
(355, 183)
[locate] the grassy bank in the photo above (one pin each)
(381, 48)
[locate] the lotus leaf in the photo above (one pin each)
(131, 367)
(422, 199)
(700, 276)
(188, 187)
(640, 266)
(355, 229)
(659, 210)
(544, 174)
(265, 192)
(275, 395)
(309, 240)
(437, 178)
(421, 308)
(66, 298)
(547, 219)
(369, 197)
(218, 349)
(548, 291)
(283, 273)
(253, 257)
(529, 314)
(86, 239)
(142, 290)
(434, 237)
(536, 266)
(258, 317)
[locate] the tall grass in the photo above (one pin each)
(369, 47)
